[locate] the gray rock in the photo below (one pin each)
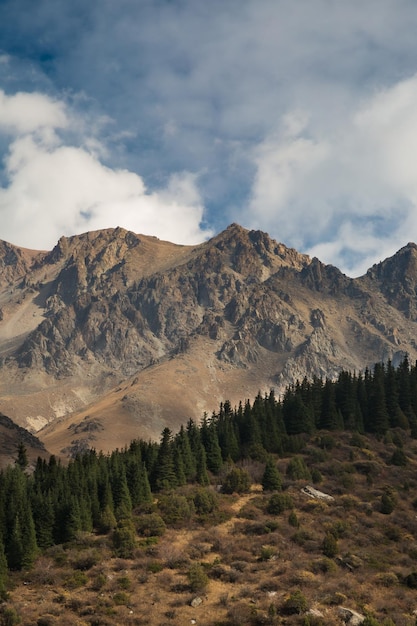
(351, 617)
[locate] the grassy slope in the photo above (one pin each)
(253, 560)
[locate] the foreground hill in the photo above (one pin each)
(113, 335)
(257, 558)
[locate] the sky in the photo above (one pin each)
(175, 118)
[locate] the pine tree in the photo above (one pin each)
(22, 456)
(43, 514)
(378, 420)
(179, 467)
(124, 539)
(271, 479)
(182, 442)
(201, 475)
(297, 418)
(329, 416)
(210, 441)
(164, 475)
(3, 572)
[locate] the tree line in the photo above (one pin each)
(101, 492)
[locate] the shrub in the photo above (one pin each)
(86, 560)
(329, 546)
(8, 616)
(370, 621)
(323, 566)
(124, 539)
(271, 479)
(175, 508)
(387, 504)
(295, 604)
(399, 458)
(293, 520)
(155, 567)
(197, 577)
(316, 476)
(121, 598)
(267, 552)
(76, 579)
(205, 501)
(357, 441)
(124, 582)
(151, 525)
(411, 580)
(297, 469)
(278, 503)
(236, 481)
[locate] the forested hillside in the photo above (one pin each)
(275, 442)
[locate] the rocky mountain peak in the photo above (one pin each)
(157, 332)
(15, 262)
(397, 279)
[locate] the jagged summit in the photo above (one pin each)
(113, 334)
(397, 279)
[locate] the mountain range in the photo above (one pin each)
(113, 335)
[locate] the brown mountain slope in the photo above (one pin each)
(114, 335)
(11, 436)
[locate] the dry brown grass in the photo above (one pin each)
(253, 561)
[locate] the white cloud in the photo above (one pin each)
(54, 188)
(347, 194)
(29, 112)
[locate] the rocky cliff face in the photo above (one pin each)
(147, 333)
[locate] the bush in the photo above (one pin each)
(293, 520)
(399, 458)
(271, 478)
(121, 598)
(329, 545)
(205, 501)
(411, 580)
(316, 476)
(76, 579)
(151, 525)
(197, 577)
(124, 539)
(387, 504)
(8, 616)
(297, 469)
(278, 503)
(86, 560)
(267, 552)
(175, 508)
(295, 604)
(236, 481)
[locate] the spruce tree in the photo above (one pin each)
(210, 441)
(3, 572)
(271, 479)
(329, 416)
(182, 442)
(164, 475)
(201, 475)
(377, 419)
(22, 456)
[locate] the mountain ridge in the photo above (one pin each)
(113, 335)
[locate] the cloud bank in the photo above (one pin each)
(52, 187)
(348, 195)
(177, 117)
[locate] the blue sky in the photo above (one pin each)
(175, 118)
